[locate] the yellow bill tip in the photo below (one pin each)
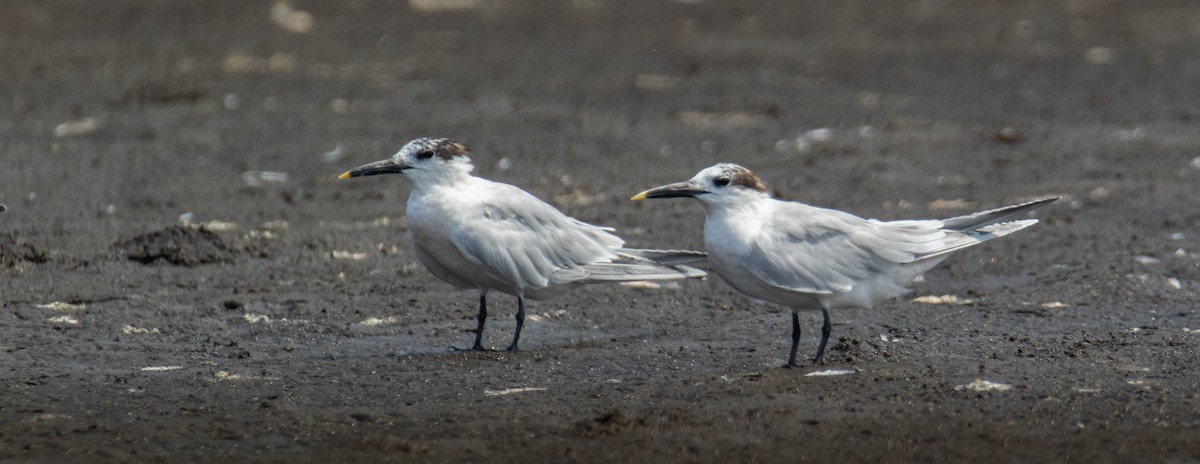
(639, 197)
(345, 175)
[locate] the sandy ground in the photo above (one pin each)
(287, 319)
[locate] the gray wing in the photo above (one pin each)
(814, 250)
(667, 257)
(628, 267)
(992, 216)
(520, 239)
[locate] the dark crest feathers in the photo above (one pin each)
(446, 149)
(744, 177)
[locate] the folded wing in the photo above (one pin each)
(520, 239)
(821, 251)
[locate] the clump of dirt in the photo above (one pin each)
(15, 255)
(178, 245)
(608, 423)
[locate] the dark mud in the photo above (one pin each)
(317, 337)
(15, 256)
(179, 245)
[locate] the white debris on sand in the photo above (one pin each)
(1147, 260)
(227, 376)
(955, 204)
(333, 155)
(287, 17)
(548, 315)
(1131, 135)
(1054, 305)
(62, 306)
(274, 225)
(217, 227)
(68, 320)
(252, 318)
(981, 385)
(943, 300)
(651, 285)
(375, 321)
(348, 255)
(261, 178)
(509, 391)
(161, 368)
(819, 135)
(130, 330)
(805, 142)
(76, 128)
(830, 372)
(1100, 55)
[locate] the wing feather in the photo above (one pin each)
(524, 241)
(813, 250)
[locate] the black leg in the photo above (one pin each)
(795, 339)
(520, 323)
(825, 329)
(482, 317)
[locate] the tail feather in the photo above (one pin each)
(982, 219)
(633, 265)
(617, 272)
(666, 257)
(957, 240)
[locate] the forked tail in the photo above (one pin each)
(635, 264)
(992, 216)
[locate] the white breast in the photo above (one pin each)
(728, 237)
(431, 217)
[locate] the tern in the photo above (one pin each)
(474, 233)
(809, 258)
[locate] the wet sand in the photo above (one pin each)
(184, 278)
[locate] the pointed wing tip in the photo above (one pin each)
(1001, 229)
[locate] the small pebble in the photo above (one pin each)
(260, 178)
(1100, 55)
(77, 128)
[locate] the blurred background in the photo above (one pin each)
(123, 116)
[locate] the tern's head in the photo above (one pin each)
(723, 184)
(423, 159)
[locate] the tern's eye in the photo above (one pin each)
(721, 181)
(424, 154)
